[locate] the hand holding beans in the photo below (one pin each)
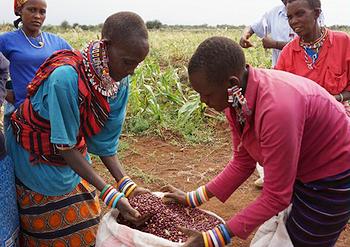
(138, 191)
(195, 238)
(129, 213)
(167, 218)
(173, 194)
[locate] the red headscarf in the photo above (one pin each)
(18, 5)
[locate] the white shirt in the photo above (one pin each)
(275, 23)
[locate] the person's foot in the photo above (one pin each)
(259, 183)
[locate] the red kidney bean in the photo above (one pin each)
(166, 217)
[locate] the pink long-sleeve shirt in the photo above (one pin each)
(296, 130)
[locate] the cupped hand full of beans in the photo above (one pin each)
(166, 217)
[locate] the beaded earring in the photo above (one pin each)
(238, 101)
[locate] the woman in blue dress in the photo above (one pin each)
(27, 48)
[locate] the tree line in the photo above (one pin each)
(152, 25)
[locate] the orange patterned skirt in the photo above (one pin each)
(68, 220)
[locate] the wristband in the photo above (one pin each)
(106, 192)
(205, 239)
(197, 197)
(126, 186)
(132, 188)
(117, 199)
(226, 235)
(110, 196)
(210, 242)
(217, 237)
(213, 238)
(104, 189)
(121, 181)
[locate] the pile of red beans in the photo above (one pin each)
(166, 217)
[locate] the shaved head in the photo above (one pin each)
(124, 25)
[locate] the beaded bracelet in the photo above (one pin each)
(110, 196)
(197, 197)
(126, 185)
(217, 237)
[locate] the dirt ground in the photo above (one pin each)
(152, 162)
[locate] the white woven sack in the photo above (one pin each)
(273, 233)
(112, 234)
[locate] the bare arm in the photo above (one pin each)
(116, 169)
(269, 43)
(247, 33)
(114, 166)
(78, 163)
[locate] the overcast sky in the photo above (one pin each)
(212, 12)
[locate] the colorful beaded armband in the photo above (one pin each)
(110, 196)
(217, 237)
(126, 185)
(197, 197)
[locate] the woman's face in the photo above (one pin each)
(210, 93)
(123, 58)
(33, 14)
(302, 18)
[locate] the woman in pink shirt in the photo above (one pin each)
(289, 124)
(319, 54)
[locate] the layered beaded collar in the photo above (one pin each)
(96, 67)
(315, 46)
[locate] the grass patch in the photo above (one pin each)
(145, 177)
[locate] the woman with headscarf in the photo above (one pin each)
(27, 48)
(318, 53)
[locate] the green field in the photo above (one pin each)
(161, 100)
(162, 104)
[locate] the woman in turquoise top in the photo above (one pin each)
(77, 100)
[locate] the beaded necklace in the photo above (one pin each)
(41, 42)
(315, 47)
(96, 67)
